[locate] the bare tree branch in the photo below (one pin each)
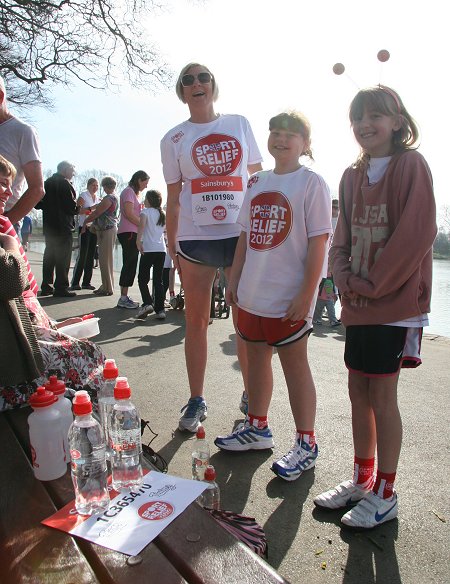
(100, 42)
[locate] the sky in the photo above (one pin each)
(266, 57)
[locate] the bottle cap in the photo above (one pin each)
(122, 389)
(42, 398)
(110, 370)
(82, 403)
(200, 432)
(210, 473)
(57, 386)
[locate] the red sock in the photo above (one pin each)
(258, 422)
(363, 472)
(307, 436)
(384, 484)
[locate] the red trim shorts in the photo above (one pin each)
(273, 331)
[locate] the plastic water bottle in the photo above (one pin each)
(210, 496)
(88, 456)
(46, 436)
(125, 436)
(200, 455)
(106, 399)
(64, 406)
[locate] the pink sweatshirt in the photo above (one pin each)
(382, 246)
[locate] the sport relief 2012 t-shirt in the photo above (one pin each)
(279, 215)
(211, 159)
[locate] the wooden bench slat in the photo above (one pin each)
(109, 566)
(31, 552)
(216, 556)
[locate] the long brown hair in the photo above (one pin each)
(386, 101)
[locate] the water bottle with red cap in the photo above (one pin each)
(211, 495)
(125, 437)
(200, 455)
(46, 436)
(106, 399)
(64, 406)
(88, 458)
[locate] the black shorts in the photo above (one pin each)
(374, 350)
(218, 253)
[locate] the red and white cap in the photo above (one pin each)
(57, 386)
(210, 473)
(81, 404)
(122, 389)
(110, 370)
(42, 398)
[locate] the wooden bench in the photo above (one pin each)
(194, 548)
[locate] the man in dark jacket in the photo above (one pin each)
(58, 212)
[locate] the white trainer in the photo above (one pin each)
(344, 495)
(144, 311)
(371, 511)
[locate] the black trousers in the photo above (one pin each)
(130, 255)
(148, 260)
(56, 261)
(85, 261)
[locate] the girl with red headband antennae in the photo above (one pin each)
(381, 261)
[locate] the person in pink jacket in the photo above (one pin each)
(381, 260)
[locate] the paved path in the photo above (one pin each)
(305, 546)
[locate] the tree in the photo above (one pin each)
(100, 42)
(444, 218)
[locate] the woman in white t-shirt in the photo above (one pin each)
(206, 161)
(88, 241)
(150, 242)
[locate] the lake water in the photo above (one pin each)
(440, 302)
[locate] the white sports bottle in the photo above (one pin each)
(64, 406)
(46, 436)
(88, 458)
(125, 435)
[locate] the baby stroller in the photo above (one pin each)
(177, 301)
(219, 306)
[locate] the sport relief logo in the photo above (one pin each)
(219, 213)
(217, 154)
(270, 220)
(156, 510)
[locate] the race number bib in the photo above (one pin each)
(216, 200)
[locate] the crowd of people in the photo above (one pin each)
(270, 231)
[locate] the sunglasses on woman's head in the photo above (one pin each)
(188, 79)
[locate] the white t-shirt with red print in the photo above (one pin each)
(280, 213)
(211, 159)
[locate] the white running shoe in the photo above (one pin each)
(371, 511)
(293, 464)
(343, 495)
(144, 311)
(246, 437)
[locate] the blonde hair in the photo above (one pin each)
(296, 122)
(386, 101)
(7, 168)
(179, 87)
